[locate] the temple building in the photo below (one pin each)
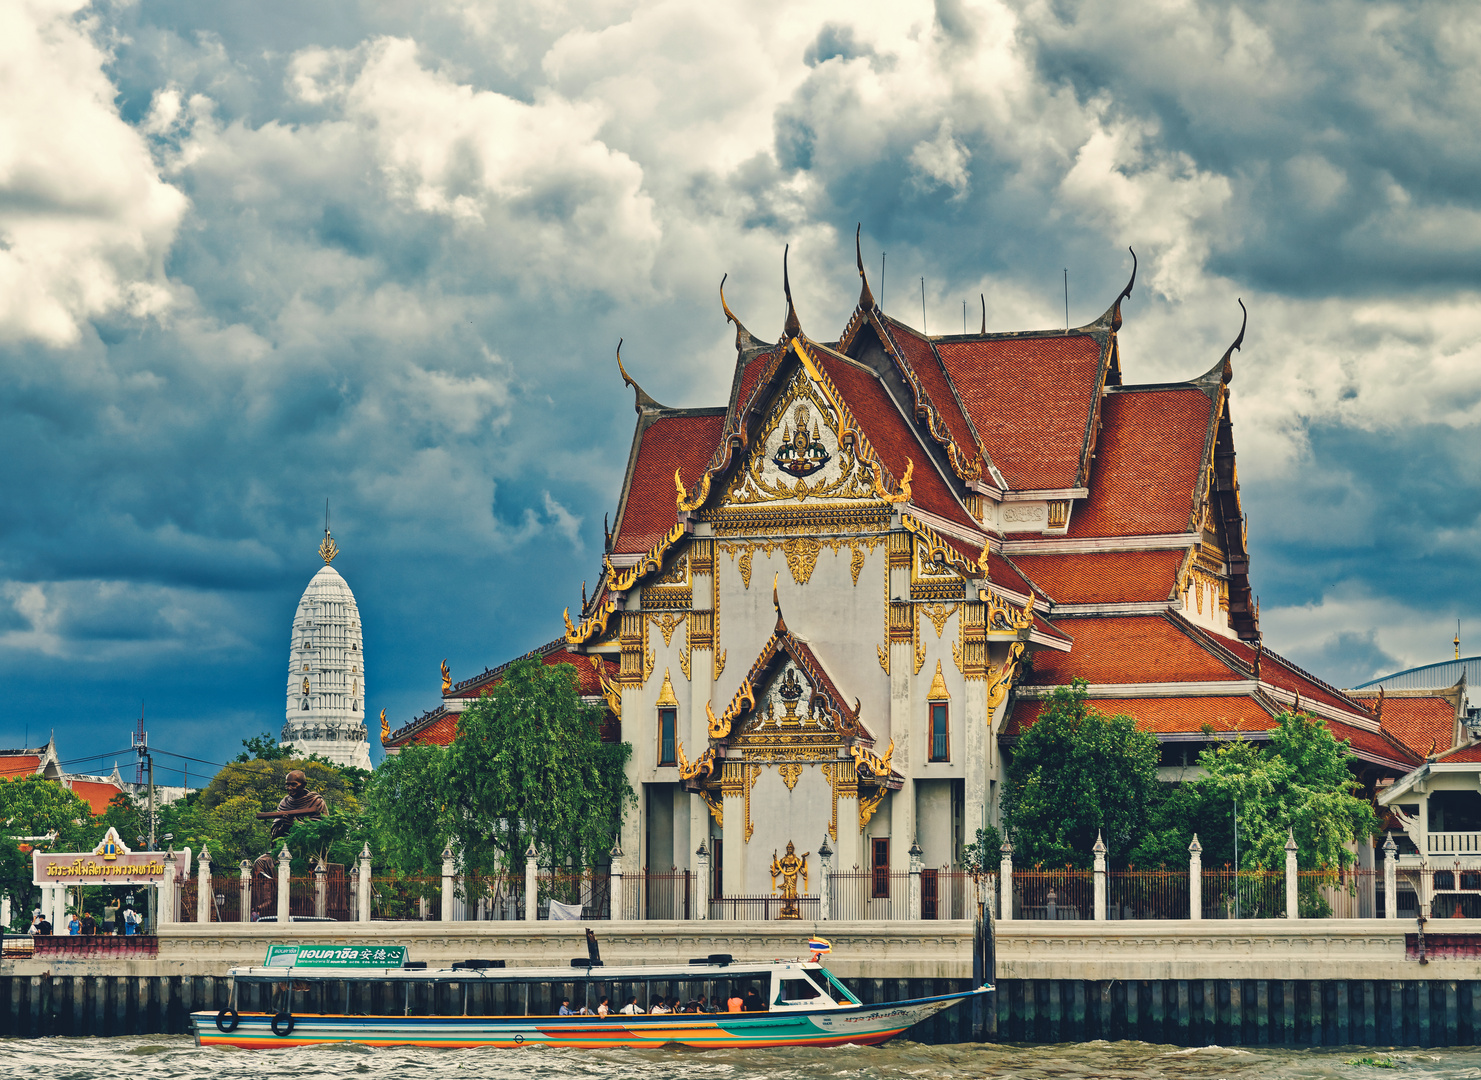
(830, 606)
(326, 671)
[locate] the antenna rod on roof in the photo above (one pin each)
(923, 329)
(882, 255)
(964, 318)
(1066, 299)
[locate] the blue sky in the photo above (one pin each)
(254, 256)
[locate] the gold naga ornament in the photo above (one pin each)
(385, 729)
(447, 677)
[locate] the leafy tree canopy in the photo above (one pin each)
(1077, 773)
(528, 766)
(32, 806)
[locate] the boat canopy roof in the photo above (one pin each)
(602, 973)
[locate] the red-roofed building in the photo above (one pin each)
(826, 605)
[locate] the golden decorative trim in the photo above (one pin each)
(611, 692)
(903, 495)
(717, 807)
(447, 678)
(678, 574)
(702, 768)
(791, 773)
(1002, 678)
(667, 624)
(802, 557)
(884, 658)
(744, 698)
(873, 516)
(327, 548)
(855, 478)
(737, 780)
(899, 548)
(745, 566)
(938, 691)
(871, 762)
(868, 804)
(715, 651)
(594, 627)
(856, 560)
(1059, 513)
(652, 562)
(843, 782)
(666, 699)
(637, 659)
(685, 658)
(938, 614)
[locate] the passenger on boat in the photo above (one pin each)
(734, 1003)
(660, 1007)
(631, 1008)
(603, 1008)
(565, 1009)
(754, 1002)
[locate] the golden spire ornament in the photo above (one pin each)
(328, 549)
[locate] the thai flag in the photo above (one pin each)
(819, 945)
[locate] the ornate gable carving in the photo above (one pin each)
(803, 451)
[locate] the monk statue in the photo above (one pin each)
(787, 868)
(300, 803)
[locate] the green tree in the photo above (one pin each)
(263, 747)
(528, 766)
(406, 811)
(1074, 774)
(1299, 782)
(33, 806)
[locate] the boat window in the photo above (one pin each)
(840, 992)
(795, 990)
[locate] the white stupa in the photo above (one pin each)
(326, 671)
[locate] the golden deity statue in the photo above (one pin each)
(787, 868)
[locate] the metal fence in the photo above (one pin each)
(661, 896)
(762, 907)
(406, 898)
(1244, 894)
(591, 890)
(947, 894)
(1053, 894)
(1148, 894)
(870, 895)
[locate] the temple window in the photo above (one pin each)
(668, 720)
(880, 852)
(938, 702)
(940, 732)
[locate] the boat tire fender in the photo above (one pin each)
(283, 1024)
(227, 1020)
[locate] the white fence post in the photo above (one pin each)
(532, 900)
(321, 889)
(447, 883)
(285, 883)
(702, 886)
(1005, 883)
(165, 912)
(1100, 878)
(616, 897)
(915, 869)
(244, 885)
(203, 885)
(825, 879)
(363, 899)
(1195, 879)
(1390, 877)
(1291, 912)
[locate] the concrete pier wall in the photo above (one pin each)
(1330, 982)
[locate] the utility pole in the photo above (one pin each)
(141, 747)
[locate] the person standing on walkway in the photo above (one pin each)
(74, 924)
(110, 916)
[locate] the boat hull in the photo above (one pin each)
(866, 1025)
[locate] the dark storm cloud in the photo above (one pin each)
(384, 255)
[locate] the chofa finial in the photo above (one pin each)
(866, 296)
(792, 327)
(1125, 293)
(640, 396)
(1227, 363)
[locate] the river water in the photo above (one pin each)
(178, 1058)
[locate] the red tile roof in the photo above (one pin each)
(1109, 577)
(1148, 463)
(1030, 399)
(96, 794)
(750, 376)
(1165, 716)
(1420, 723)
(927, 367)
(677, 440)
(1278, 671)
(441, 731)
(891, 436)
(1129, 649)
(1372, 744)
(586, 676)
(19, 764)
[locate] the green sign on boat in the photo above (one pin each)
(336, 956)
